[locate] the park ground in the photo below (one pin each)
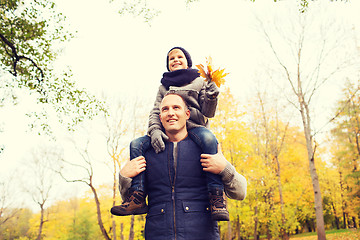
(343, 234)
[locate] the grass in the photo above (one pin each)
(342, 234)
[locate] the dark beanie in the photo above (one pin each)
(187, 55)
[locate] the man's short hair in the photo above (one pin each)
(174, 93)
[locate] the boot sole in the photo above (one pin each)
(139, 211)
(220, 217)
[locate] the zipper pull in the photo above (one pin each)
(172, 193)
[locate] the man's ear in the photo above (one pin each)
(187, 114)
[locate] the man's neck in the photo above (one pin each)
(177, 137)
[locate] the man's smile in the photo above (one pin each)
(172, 120)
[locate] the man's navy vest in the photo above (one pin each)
(177, 195)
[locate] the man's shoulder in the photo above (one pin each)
(189, 145)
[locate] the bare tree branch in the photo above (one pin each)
(17, 58)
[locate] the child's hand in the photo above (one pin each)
(211, 90)
(157, 141)
(134, 167)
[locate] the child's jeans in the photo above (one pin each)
(202, 136)
(138, 147)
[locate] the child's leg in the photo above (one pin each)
(138, 147)
(209, 145)
(135, 202)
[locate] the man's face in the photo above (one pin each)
(177, 60)
(173, 114)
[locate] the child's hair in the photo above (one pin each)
(187, 55)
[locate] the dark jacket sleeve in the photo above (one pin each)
(208, 105)
(154, 119)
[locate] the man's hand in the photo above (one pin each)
(134, 167)
(214, 163)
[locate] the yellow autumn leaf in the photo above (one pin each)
(216, 76)
(201, 70)
(209, 65)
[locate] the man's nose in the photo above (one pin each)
(171, 112)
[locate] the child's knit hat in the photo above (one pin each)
(187, 55)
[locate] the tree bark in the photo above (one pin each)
(342, 199)
(229, 231)
(238, 230)
(41, 222)
(354, 222)
(256, 218)
(305, 114)
(131, 233)
(320, 224)
(336, 218)
(114, 200)
(121, 231)
(98, 210)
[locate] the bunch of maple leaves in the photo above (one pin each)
(216, 76)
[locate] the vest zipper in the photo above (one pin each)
(173, 189)
(173, 200)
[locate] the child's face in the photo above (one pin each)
(177, 60)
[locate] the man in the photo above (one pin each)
(176, 182)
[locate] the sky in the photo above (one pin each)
(124, 56)
(121, 53)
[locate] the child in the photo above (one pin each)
(201, 98)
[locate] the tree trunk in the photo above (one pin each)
(320, 224)
(114, 200)
(122, 231)
(41, 221)
(256, 218)
(305, 114)
(284, 235)
(344, 220)
(268, 200)
(113, 228)
(354, 222)
(342, 190)
(131, 233)
(98, 210)
(336, 218)
(238, 230)
(229, 230)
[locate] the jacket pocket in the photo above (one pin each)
(195, 206)
(155, 226)
(198, 223)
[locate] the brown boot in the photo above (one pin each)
(134, 204)
(218, 205)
